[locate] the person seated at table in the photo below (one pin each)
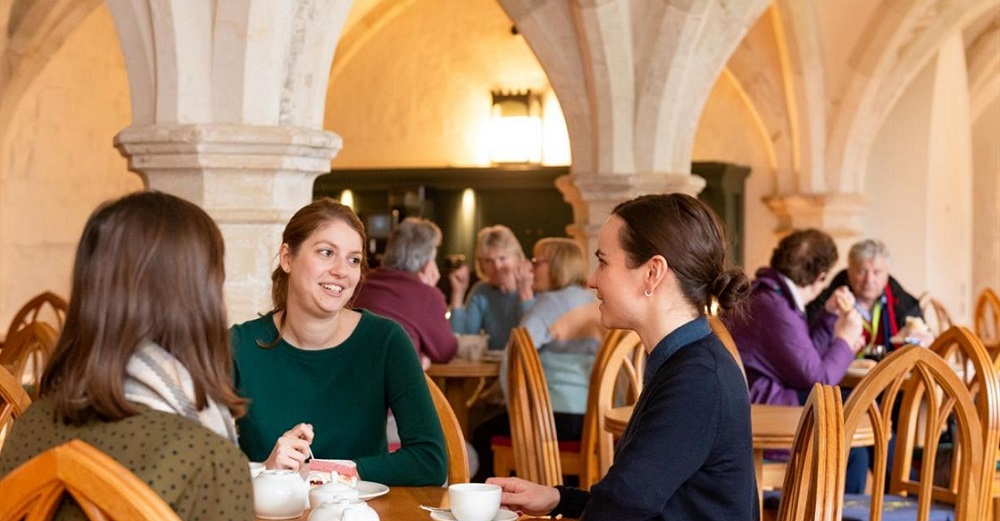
(783, 353)
(142, 370)
(498, 301)
(687, 451)
(321, 376)
(404, 288)
(883, 303)
(559, 276)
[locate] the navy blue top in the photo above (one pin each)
(687, 451)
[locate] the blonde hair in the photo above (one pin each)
(566, 261)
(499, 237)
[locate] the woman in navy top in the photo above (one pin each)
(687, 451)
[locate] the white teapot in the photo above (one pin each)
(332, 491)
(344, 510)
(279, 494)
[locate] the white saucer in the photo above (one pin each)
(502, 515)
(369, 489)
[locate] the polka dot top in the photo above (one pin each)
(201, 475)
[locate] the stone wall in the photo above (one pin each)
(58, 162)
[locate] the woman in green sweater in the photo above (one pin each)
(321, 376)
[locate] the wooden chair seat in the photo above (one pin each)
(102, 487)
(987, 321)
(26, 353)
(935, 314)
(44, 307)
(13, 402)
(458, 455)
(920, 378)
(814, 481)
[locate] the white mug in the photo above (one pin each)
(474, 501)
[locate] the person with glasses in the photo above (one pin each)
(567, 359)
(498, 301)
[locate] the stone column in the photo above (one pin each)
(838, 214)
(227, 108)
(249, 179)
(632, 82)
(594, 196)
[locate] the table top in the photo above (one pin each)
(464, 369)
(773, 426)
(403, 504)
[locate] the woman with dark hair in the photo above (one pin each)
(686, 452)
(321, 376)
(142, 369)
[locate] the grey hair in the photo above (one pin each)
(866, 250)
(412, 245)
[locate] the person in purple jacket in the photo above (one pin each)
(783, 353)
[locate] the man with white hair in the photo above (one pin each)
(404, 289)
(883, 303)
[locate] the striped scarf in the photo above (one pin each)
(154, 378)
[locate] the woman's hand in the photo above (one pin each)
(459, 280)
(524, 278)
(840, 301)
(525, 496)
(292, 448)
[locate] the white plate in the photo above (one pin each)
(502, 515)
(369, 489)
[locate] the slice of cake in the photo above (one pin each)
(341, 470)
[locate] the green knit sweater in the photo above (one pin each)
(344, 392)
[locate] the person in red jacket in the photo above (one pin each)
(404, 289)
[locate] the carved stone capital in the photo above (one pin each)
(839, 214)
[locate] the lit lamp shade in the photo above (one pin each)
(515, 130)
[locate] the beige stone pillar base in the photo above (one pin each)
(250, 179)
(839, 214)
(594, 196)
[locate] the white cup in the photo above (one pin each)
(472, 347)
(474, 501)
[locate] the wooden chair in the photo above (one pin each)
(615, 381)
(13, 402)
(988, 319)
(32, 312)
(578, 458)
(722, 332)
(924, 377)
(101, 486)
(532, 426)
(937, 317)
(814, 482)
(26, 353)
(458, 455)
(962, 348)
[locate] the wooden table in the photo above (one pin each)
(462, 381)
(772, 427)
(403, 504)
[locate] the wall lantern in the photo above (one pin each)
(516, 128)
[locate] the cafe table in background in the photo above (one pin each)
(462, 382)
(772, 428)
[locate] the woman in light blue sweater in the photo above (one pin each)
(559, 275)
(503, 294)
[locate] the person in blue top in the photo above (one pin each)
(498, 301)
(687, 451)
(560, 272)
